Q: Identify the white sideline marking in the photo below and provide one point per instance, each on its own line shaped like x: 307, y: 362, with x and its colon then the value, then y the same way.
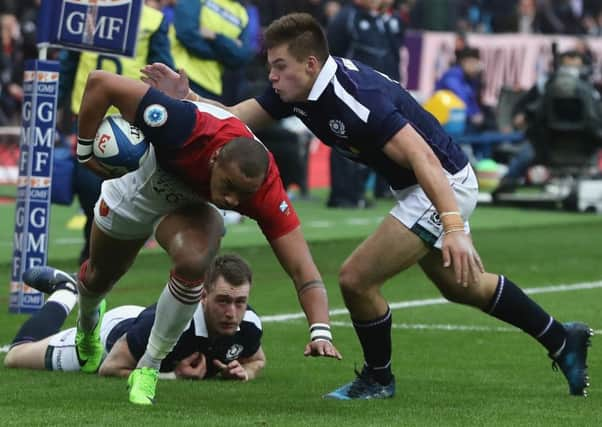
x: 436, y: 301
x: 424, y: 302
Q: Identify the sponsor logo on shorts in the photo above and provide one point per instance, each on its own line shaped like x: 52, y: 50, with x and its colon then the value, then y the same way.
x: 155, y: 115
x: 234, y: 351
x: 435, y: 219
x: 103, y: 209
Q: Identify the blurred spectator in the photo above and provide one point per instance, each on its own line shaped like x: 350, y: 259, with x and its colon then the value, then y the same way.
x: 562, y: 16
x: 463, y: 80
x: 235, y: 81
x: 435, y: 15
x: 207, y: 38
x: 270, y: 10
x: 362, y: 32
x: 11, y: 69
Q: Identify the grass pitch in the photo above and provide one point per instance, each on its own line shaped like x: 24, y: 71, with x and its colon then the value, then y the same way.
x: 454, y: 366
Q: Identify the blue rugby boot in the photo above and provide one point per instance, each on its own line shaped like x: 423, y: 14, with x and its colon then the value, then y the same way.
x: 572, y: 358
x: 363, y: 387
x: 48, y: 280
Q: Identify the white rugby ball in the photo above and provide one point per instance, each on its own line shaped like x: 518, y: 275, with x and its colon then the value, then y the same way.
x: 119, y: 146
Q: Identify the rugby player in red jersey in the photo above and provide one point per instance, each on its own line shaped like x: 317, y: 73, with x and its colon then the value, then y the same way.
x: 201, y: 156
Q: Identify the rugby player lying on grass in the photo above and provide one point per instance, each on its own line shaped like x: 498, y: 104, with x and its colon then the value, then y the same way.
x: 224, y: 337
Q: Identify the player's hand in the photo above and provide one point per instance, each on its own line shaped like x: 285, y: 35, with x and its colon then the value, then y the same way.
x: 99, y: 169
x: 459, y: 253
x: 322, y: 348
x: 232, y: 371
x: 192, y: 367
x: 161, y: 77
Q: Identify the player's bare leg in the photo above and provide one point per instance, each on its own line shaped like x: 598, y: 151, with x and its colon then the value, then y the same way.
x: 191, y: 236
x: 499, y: 297
x: 109, y: 259
x: 391, y: 249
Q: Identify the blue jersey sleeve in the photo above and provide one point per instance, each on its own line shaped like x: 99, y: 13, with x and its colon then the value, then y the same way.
x: 165, y: 122
x: 273, y: 105
x: 384, y: 121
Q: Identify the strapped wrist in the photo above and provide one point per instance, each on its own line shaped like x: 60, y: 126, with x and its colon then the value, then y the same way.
x: 320, y: 332
x: 84, y: 149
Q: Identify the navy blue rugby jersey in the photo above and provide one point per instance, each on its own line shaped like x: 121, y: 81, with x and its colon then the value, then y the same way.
x: 357, y: 110
x: 244, y: 343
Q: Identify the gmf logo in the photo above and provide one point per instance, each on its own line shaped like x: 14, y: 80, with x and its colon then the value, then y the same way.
x: 102, y: 142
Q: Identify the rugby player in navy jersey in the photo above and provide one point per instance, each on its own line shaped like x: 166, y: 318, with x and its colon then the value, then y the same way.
x: 224, y: 336
x: 373, y: 120
x: 201, y: 157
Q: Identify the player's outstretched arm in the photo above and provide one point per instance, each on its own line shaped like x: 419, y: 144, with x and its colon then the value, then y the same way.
x: 176, y: 85
x: 294, y: 256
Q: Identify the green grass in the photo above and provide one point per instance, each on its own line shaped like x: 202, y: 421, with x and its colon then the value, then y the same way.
x: 444, y: 377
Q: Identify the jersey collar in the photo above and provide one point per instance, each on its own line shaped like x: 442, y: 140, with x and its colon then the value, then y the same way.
x: 200, y: 327
x: 324, y: 77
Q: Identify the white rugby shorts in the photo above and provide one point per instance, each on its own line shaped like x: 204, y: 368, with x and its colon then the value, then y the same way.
x: 132, y: 205
x: 416, y: 211
x: 61, y: 354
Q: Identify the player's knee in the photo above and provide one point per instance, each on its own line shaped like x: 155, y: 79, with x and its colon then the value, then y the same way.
x: 191, y: 265
x: 349, y: 281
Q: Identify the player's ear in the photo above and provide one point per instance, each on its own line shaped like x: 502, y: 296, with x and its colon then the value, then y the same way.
x: 213, y: 157
x: 312, y: 65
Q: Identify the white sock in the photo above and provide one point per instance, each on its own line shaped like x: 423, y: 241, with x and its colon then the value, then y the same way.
x: 65, y: 298
x: 88, y: 308
x: 175, y: 308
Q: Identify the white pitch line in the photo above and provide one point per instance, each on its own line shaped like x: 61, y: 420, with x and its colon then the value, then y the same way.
x: 445, y: 327
x: 436, y: 301
x: 426, y: 302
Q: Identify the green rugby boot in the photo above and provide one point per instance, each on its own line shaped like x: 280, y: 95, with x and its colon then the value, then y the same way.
x: 142, y: 383
x: 88, y: 345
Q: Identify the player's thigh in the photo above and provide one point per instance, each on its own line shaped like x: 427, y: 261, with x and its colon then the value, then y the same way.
x: 27, y: 355
x: 191, y: 235
x: 391, y: 249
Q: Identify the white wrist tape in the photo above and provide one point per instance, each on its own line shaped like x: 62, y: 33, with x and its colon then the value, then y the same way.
x: 84, y: 149
x: 320, y: 332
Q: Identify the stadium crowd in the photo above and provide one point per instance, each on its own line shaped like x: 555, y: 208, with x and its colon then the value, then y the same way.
x: 584, y: 17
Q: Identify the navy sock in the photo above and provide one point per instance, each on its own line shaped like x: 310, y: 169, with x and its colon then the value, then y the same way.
x: 375, y: 338
x: 48, y: 321
x: 511, y: 305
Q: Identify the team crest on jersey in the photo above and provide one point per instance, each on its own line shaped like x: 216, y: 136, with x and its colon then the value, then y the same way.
x: 155, y: 115
x: 338, y: 128
x: 284, y: 207
x: 234, y: 351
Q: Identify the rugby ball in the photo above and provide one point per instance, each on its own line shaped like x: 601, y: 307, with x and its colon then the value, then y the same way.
x: 119, y: 146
